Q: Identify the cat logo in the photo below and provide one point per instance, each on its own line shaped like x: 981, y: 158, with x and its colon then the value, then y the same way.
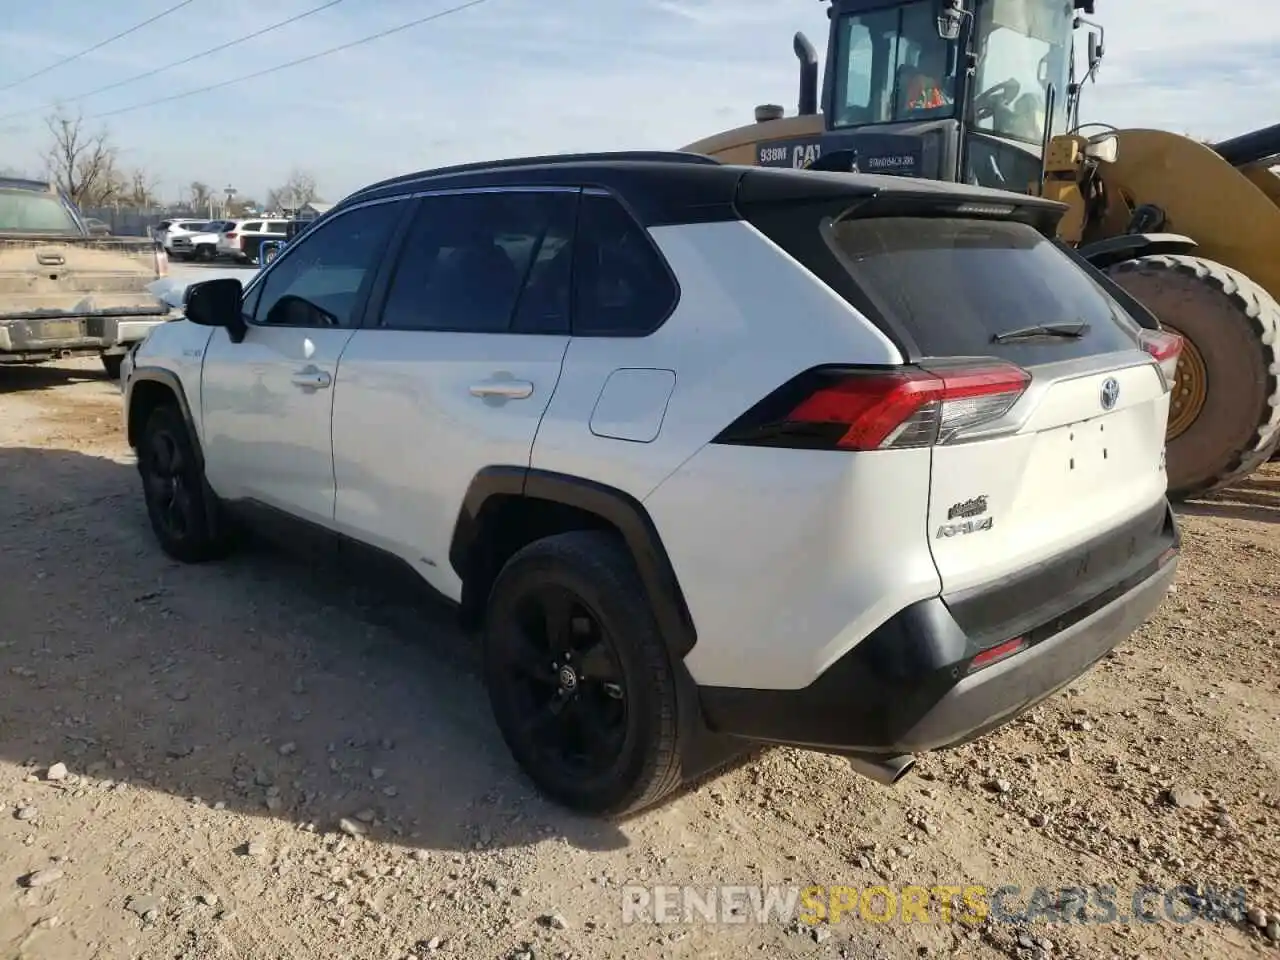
x: 805, y: 154
x: 964, y: 527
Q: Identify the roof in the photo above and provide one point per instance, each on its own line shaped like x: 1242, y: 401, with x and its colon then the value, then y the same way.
x: 672, y: 187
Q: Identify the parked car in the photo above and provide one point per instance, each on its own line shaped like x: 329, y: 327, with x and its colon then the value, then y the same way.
x: 194, y: 243
x: 229, y: 239
x: 867, y: 465
x: 96, y: 227
x: 65, y: 292
x: 245, y: 241
x: 169, y: 230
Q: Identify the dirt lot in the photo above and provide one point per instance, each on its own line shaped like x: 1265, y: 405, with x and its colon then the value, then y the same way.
x: 216, y: 723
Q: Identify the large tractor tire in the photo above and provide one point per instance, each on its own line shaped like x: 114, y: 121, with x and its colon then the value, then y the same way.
x: 1224, y: 414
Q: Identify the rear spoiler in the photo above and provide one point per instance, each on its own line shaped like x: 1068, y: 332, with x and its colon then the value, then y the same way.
x: 867, y: 195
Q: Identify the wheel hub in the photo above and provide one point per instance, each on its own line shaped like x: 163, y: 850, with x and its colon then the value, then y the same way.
x: 568, y: 678
x: 1190, y: 388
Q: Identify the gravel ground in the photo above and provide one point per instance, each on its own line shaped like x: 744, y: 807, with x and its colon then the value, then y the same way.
x: 265, y: 759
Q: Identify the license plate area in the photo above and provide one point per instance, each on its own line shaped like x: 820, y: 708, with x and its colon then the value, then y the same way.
x: 59, y: 329
x: 1089, y: 450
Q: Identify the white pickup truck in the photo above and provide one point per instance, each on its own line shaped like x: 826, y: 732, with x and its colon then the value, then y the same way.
x: 65, y: 292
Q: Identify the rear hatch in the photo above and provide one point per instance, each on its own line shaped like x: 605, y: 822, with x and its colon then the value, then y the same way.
x: 1047, y: 412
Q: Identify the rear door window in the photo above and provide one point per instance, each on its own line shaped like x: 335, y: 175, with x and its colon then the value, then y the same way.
x: 955, y: 285
x: 485, y: 263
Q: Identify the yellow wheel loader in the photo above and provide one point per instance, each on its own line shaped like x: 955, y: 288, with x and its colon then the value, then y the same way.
x: 986, y: 92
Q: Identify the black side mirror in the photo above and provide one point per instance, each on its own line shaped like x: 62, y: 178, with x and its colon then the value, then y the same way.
x: 1095, y: 51
x: 951, y: 15
x: 216, y: 303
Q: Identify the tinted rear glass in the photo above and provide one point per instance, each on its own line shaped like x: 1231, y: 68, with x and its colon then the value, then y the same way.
x: 955, y: 284
x: 25, y: 211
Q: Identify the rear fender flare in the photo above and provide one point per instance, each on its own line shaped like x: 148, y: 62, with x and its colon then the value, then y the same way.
x: 613, y: 506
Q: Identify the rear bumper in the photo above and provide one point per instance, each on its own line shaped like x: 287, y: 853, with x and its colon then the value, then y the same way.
x: 34, y: 338
x: 908, y: 688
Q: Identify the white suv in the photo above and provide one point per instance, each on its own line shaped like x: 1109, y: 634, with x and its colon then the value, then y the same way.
x: 863, y: 464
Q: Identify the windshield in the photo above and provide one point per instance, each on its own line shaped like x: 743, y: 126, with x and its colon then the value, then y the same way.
x: 25, y: 211
x: 892, y: 66
x: 1022, y: 46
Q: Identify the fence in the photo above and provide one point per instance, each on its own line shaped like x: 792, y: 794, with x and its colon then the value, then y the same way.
x: 126, y: 221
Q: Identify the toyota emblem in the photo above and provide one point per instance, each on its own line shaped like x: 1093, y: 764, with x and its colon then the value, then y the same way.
x: 1110, y: 392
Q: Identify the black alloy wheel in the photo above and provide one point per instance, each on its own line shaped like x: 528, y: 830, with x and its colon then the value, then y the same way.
x: 579, y: 677
x: 562, y: 673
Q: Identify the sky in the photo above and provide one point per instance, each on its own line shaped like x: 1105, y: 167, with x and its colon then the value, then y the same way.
x: 520, y: 77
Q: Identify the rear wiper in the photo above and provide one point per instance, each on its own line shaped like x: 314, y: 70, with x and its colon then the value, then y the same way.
x: 1069, y: 330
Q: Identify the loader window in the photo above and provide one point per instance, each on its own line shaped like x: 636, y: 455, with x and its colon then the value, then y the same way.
x: 892, y: 66
x: 1023, y: 46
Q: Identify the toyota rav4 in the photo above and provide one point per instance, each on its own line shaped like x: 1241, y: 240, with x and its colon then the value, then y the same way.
x: 860, y: 464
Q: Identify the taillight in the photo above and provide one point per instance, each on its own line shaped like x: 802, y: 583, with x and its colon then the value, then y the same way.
x: 231, y: 234
x: 1166, y: 347
x: 846, y: 409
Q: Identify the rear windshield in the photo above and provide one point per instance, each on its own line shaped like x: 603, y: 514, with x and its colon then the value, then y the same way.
x: 25, y: 211
x: 955, y: 285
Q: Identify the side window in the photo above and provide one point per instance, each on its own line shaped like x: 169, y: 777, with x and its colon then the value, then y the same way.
x: 485, y: 263
x: 319, y: 282
x: 276, y: 226
x: 622, y: 288
x: 252, y: 227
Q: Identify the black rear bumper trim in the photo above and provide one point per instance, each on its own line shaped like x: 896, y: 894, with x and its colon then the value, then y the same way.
x: 906, y: 687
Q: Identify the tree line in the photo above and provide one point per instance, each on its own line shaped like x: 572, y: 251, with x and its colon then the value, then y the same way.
x: 86, y: 165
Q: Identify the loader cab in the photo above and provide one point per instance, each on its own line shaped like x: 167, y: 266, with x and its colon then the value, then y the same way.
x: 948, y: 89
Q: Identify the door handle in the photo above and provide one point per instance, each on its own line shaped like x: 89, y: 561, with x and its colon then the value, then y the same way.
x: 504, y: 389
x: 311, y: 379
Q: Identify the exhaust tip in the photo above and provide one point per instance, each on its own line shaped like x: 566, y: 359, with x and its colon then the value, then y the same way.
x: 886, y: 771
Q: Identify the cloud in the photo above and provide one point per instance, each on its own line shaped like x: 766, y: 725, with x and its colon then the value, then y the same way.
x: 517, y: 77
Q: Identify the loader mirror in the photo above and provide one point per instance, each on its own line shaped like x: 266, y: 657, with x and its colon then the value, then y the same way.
x: 950, y: 18
x: 1095, y: 50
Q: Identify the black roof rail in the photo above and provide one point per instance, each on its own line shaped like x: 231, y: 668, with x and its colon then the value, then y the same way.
x: 615, y: 156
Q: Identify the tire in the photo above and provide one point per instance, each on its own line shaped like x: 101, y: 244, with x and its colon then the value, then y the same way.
x: 111, y: 364
x: 184, y: 515
x: 1234, y: 327
x: 592, y: 574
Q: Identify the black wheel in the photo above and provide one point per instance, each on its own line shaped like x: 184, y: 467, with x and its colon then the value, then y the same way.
x: 111, y: 363
x: 579, y: 677
x: 182, y: 509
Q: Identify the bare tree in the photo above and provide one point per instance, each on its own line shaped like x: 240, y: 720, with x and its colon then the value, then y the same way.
x: 142, y: 189
x: 81, y: 162
x: 297, y: 191
x: 201, y: 194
